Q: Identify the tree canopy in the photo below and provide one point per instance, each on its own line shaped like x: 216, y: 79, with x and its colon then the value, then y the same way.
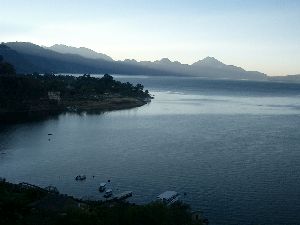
x: 6, y: 68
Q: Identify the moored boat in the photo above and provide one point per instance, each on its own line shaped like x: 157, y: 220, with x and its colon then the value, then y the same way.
x: 168, y: 197
x: 123, y: 195
x: 80, y: 177
x: 108, y: 193
x: 102, y: 187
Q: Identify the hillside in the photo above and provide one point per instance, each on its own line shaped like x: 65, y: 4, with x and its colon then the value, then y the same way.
x: 84, y: 52
x: 29, y: 204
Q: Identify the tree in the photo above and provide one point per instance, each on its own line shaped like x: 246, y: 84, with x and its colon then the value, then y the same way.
x: 107, y: 77
x: 139, y: 87
x: 6, y: 68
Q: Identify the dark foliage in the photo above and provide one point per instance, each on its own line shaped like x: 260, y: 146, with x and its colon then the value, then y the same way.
x: 16, y: 208
x: 6, y: 68
x: 18, y: 92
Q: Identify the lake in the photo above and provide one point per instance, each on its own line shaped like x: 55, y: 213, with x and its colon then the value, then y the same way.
x: 232, y: 146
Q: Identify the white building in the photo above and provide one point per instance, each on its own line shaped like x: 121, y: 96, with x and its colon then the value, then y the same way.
x: 168, y: 197
x: 54, y: 95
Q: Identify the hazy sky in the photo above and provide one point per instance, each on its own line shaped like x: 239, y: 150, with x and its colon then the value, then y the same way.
x: 261, y: 35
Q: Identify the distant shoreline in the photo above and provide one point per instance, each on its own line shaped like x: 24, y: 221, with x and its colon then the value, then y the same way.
x: 35, y: 96
x: 72, y: 106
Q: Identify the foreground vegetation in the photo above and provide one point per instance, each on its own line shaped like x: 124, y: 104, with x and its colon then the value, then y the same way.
x: 23, y: 205
x: 37, y: 95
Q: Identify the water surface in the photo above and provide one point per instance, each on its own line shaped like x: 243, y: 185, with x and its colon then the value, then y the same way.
x: 232, y: 146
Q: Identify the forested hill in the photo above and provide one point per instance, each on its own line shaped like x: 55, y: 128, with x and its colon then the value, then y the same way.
x: 35, y: 95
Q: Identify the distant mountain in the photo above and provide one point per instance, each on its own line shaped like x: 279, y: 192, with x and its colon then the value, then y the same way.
x: 28, y: 58
x: 19, y: 61
x: 209, y: 62
x: 84, y: 52
x: 34, y: 58
x: 210, y: 66
x: 167, y: 65
x: 207, y: 67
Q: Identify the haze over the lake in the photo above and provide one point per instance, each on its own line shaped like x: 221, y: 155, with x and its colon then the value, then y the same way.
x: 256, y: 35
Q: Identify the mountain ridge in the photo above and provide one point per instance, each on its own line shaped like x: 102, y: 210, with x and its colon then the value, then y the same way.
x: 82, y: 51
x: 43, y: 59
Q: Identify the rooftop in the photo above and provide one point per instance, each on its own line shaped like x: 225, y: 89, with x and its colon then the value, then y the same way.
x: 167, y: 195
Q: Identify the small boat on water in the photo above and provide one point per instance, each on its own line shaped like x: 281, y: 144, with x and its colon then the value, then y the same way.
x: 102, y: 187
x: 108, y: 193
x: 168, y: 197
x: 80, y: 177
x: 123, y: 195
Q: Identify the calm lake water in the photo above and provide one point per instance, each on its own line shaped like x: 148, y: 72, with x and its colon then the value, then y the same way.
x: 232, y: 146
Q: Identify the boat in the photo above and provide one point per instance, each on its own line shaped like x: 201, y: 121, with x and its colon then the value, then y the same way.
x: 102, y: 187
x: 123, y: 195
x: 80, y: 177
x: 168, y: 197
x: 108, y: 193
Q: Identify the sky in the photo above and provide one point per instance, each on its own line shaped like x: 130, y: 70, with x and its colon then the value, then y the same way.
x: 260, y: 35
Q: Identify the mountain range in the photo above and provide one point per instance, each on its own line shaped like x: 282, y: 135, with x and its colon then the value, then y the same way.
x: 28, y: 58
x: 84, y: 52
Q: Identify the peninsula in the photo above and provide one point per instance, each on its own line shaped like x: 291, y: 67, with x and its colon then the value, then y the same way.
x: 31, y: 96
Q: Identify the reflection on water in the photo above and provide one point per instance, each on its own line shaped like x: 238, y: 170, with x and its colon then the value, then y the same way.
x: 235, y: 155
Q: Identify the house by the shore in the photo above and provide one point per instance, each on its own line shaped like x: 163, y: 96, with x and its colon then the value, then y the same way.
x: 54, y: 95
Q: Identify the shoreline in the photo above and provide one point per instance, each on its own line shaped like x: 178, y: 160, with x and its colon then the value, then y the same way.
x: 25, y: 203
x: 29, y: 97
x: 39, y: 110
